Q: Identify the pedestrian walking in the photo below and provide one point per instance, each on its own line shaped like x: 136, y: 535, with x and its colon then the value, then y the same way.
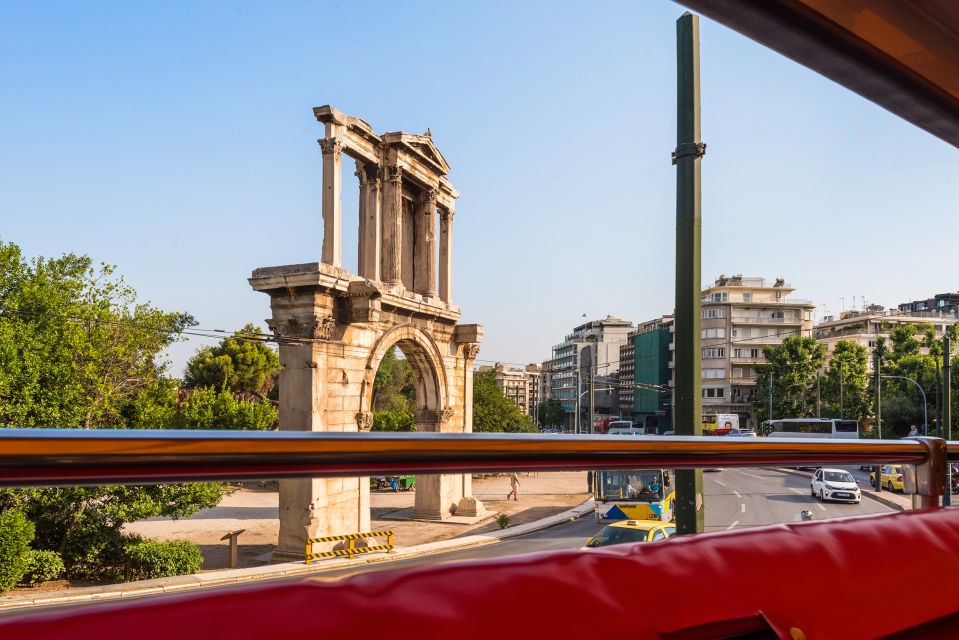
x: 514, y: 484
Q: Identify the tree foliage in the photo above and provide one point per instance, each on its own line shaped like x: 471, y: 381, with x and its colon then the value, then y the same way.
x: 550, y: 413
x: 791, y: 374
x: 394, y: 389
x: 493, y: 411
x: 240, y: 364
x: 845, y: 384
x: 74, y: 342
x: 78, y: 350
x: 915, y: 352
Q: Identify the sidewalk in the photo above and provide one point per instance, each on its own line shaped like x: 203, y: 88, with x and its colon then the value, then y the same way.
x: 13, y: 604
x: 256, y: 509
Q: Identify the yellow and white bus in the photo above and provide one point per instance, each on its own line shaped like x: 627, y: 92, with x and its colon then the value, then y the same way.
x: 633, y: 494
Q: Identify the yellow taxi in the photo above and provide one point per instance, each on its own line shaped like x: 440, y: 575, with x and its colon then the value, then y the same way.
x: 630, y: 531
x: 890, y: 476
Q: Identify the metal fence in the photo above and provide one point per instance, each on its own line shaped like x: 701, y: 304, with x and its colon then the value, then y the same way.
x: 57, y: 457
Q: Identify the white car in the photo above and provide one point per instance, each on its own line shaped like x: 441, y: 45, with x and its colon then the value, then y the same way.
x: 834, y: 484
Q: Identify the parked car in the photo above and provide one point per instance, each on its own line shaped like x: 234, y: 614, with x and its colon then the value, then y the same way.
x: 834, y: 484
x: 628, y: 531
x: 890, y: 477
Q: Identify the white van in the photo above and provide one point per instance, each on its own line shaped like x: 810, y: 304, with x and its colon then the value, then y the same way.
x: 624, y: 428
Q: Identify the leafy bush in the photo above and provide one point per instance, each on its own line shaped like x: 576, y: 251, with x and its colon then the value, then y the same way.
x: 42, y: 566
x: 16, y: 534
x: 502, y: 520
x: 393, y: 421
x: 150, y: 559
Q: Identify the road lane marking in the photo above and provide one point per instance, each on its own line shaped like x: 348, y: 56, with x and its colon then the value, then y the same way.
x: 722, y: 483
x: 752, y: 475
x: 795, y: 490
x: 735, y: 522
x: 743, y: 507
x: 820, y: 506
x: 738, y: 495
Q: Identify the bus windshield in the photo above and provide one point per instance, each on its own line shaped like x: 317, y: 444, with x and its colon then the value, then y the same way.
x: 644, y: 486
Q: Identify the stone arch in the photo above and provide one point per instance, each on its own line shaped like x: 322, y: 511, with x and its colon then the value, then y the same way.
x: 429, y: 374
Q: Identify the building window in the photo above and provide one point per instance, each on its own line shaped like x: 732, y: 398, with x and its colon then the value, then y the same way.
x: 755, y: 353
x: 747, y: 297
x: 737, y: 353
x: 713, y: 313
x: 714, y: 352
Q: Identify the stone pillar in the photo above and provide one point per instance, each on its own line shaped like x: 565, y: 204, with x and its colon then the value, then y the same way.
x: 361, y: 220
x: 370, y: 238
x: 393, y: 225
x: 425, y: 259
x: 437, y: 496
x: 446, y: 255
x: 314, y: 380
x: 469, y: 505
x: 408, y: 244
x: 332, y: 203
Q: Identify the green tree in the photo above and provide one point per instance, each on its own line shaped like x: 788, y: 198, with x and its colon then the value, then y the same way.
x: 241, y: 364
x: 550, y: 413
x: 77, y: 350
x: 493, y: 411
x: 74, y: 342
x: 791, y: 373
x: 394, y: 389
x: 845, y: 383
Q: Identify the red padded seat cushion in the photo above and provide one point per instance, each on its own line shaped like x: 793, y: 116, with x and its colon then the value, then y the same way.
x: 850, y: 578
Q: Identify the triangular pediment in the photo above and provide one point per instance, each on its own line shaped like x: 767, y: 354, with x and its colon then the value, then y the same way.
x: 421, y: 145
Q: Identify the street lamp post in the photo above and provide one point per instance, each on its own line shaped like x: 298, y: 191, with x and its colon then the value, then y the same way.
x: 925, y: 408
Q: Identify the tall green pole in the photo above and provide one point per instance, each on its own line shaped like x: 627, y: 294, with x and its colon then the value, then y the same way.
x: 689, y: 150
x: 947, y: 412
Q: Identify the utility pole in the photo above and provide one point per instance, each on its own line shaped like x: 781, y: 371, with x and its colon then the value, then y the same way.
x: 842, y: 413
x: 877, y: 364
x: 686, y: 157
x: 592, y: 396
x: 818, y: 398
x: 770, y: 397
x: 947, y: 412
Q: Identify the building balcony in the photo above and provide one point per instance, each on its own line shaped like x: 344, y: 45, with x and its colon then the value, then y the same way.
x: 743, y: 382
x: 747, y: 360
x: 777, y: 321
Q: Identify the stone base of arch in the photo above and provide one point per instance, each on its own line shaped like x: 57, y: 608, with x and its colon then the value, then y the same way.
x: 333, y: 329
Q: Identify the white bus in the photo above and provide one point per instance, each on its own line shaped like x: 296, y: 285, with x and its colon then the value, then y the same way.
x: 811, y: 428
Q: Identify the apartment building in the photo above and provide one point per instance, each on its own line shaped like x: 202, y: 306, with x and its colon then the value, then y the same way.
x: 866, y: 327
x: 590, y: 352
x: 644, y: 375
x: 522, y: 386
x: 740, y: 315
x: 942, y: 304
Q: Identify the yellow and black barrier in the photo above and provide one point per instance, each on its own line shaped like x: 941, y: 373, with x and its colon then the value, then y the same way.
x: 351, y: 548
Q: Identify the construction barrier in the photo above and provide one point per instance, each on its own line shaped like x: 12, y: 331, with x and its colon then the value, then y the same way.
x: 351, y: 548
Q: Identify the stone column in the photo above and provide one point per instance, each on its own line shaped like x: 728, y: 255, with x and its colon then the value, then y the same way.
x: 314, y: 380
x: 393, y: 225
x: 332, y: 203
x: 425, y: 260
x: 360, y: 173
x: 446, y: 255
x: 369, y: 240
x: 374, y: 225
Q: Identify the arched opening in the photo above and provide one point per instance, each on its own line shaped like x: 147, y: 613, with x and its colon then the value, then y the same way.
x: 405, y: 389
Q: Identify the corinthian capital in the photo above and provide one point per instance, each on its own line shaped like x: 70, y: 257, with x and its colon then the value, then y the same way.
x: 330, y: 145
x: 470, y: 350
x: 429, y: 197
x: 395, y: 173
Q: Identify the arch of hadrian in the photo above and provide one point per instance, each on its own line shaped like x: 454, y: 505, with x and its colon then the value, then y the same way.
x: 334, y: 327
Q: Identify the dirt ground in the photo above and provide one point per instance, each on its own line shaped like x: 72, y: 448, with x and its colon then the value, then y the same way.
x: 255, y: 509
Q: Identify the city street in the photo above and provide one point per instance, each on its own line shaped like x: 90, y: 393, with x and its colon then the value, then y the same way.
x: 735, y: 499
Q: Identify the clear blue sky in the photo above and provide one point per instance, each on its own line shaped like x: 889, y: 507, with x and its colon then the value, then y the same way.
x: 176, y: 140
